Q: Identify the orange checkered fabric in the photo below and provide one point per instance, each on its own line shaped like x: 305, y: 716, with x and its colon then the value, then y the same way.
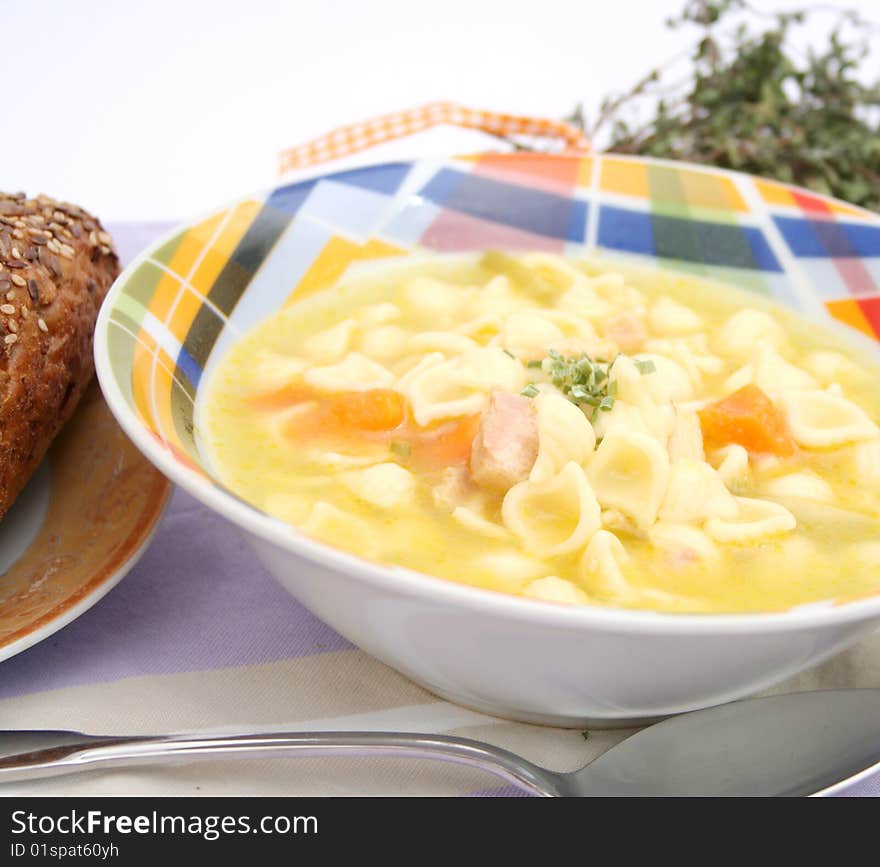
x: 347, y: 140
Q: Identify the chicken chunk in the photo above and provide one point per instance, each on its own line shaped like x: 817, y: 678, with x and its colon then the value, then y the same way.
x: 626, y: 330
x: 506, y: 445
x: 453, y: 488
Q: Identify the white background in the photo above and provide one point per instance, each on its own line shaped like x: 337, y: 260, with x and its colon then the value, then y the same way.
x: 165, y: 108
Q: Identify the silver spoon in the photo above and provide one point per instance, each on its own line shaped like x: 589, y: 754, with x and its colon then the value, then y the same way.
x: 795, y: 744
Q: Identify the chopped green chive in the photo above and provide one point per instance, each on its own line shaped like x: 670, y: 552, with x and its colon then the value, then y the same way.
x: 402, y: 450
x: 585, y: 381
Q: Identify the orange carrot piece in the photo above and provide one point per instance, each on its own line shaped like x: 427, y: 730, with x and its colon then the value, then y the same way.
x: 749, y: 418
x: 446, y: 446
x: 376, y: 409
x: 375, y: 415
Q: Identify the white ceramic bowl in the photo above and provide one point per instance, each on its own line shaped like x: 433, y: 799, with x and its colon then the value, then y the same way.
x: 179, y: 306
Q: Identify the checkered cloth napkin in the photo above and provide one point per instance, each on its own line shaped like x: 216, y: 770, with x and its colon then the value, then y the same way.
x: 198, y: 637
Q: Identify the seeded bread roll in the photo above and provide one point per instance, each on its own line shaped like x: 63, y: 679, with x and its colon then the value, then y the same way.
x: 56, y: 265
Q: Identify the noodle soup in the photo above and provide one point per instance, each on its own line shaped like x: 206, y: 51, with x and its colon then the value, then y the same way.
x: 561, y: 430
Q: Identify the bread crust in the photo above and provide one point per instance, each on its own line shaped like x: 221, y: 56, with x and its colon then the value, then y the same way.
x: 56, y: 265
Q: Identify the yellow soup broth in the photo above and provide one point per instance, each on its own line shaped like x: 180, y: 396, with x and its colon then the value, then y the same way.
x: 567, y: 430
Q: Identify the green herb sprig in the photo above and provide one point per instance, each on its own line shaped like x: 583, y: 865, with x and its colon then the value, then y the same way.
x: 751, y: 99
x: 757, y: 104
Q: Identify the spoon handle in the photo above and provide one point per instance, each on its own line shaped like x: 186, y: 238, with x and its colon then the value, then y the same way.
x: 88, y: 754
